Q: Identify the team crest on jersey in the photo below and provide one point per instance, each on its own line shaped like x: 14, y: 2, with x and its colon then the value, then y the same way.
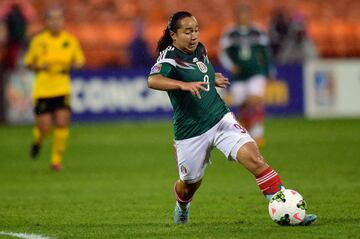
x: 156, y: 69
x: 202, y: 67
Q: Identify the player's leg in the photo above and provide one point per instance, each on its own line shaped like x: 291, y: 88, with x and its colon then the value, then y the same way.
x: 41, y: 129
x: 253, y: 110
x: 192, y: 157
x: 267, y: 179
x: 235, y: 142
x: 248, y: 101
x: 61, y: 133
x: 253, y: 117
x: 238, y: 92
x: 43, y: 125
x: 184, y: 193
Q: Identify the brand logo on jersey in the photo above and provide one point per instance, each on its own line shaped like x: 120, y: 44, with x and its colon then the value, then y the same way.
x: 65, y: 44
x: 202, y: 67
x: 156, y: 69
x: 183, y: 169
x: 195, y: 59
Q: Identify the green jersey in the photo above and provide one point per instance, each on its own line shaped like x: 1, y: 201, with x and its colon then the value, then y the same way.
x: 192, y: 116
x: 247, y: 48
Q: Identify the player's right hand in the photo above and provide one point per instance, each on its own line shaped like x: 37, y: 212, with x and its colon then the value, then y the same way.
x: 194, y: 87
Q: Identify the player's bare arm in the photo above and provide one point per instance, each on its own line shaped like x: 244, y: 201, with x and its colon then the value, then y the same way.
x: 160, y: 82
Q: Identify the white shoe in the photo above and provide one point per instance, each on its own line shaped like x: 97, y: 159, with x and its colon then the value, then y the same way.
x: 181, y: 216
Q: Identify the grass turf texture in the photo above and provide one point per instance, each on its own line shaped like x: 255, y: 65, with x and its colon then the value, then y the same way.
x: 118, y: 183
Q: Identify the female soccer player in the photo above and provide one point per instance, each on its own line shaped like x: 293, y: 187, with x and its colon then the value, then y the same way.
x: 52, y: 54
x: 201, y: 118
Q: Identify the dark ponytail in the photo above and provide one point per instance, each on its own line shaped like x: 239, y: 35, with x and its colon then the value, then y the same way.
x: 164, y: 41
x: 173, y: 25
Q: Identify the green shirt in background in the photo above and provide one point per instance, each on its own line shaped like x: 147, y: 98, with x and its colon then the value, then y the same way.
x: 247, y: 48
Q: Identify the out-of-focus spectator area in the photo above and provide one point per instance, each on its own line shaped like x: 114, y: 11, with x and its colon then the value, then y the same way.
x: 106, y: 28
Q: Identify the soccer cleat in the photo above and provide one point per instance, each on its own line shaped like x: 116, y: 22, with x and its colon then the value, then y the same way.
x: 56, y: 167
x: 181, y: 216
x: 308, y: 220
x: 34, y: 151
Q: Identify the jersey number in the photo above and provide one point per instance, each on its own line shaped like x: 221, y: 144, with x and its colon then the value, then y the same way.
x: 206, y: 79
x: 245, y: 53
x: 242, y: 129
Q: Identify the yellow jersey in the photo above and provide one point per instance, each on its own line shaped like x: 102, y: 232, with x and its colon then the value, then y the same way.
x: 58, y: 53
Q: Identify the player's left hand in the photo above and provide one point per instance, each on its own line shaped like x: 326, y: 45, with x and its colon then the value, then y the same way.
x: 221, y: 81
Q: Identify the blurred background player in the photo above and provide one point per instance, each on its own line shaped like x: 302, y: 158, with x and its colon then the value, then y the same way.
x: 201, y: 118
x: 297, y: 47
x: 139, y: 53
x: 245, y: 53
x: 15, y: 19
x: 52, y: 54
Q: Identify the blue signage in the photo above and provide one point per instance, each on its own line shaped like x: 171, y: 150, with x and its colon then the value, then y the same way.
x: 286, y: 96
x: 116, y: 95
x: 124, y: 95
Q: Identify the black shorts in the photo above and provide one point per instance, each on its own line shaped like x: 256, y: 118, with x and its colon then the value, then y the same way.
x: 49, y: 105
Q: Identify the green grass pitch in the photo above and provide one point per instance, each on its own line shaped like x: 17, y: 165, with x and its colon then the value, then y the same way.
x: 118, y: 183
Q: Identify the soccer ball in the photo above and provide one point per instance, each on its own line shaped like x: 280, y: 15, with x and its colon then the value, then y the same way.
x: 287, y: 207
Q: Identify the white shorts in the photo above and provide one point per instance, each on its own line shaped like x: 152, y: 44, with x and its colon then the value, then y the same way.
x: 240, y: 90
x: 193, y: 154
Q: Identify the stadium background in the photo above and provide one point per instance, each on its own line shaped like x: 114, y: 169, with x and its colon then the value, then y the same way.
x: 118, y: 175
x: 106, y: 27
x: 107, y: 31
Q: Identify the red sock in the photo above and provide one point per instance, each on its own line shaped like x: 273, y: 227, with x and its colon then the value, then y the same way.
x: 269, y: 181
x: 259, y: 115
x: 246, y: 116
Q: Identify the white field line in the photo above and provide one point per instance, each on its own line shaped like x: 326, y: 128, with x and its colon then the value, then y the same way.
x: 24, y: 235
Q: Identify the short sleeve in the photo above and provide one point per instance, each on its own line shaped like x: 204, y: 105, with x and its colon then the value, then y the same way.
x: 163, y: 69
x: 78, y: 57
x: 31, y: 54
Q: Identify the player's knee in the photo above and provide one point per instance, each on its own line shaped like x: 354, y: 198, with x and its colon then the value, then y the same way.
x: 62, y: 123
x: 45, y: 130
